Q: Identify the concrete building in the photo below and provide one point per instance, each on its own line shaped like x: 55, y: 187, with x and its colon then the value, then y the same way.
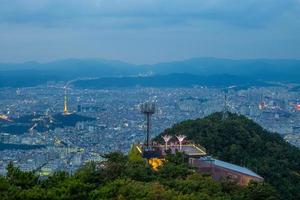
x: 223, y: 170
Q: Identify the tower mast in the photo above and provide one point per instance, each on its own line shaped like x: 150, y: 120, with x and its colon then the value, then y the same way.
x: 225, y: 109
x: 66, y: 112
x: 148, y: 109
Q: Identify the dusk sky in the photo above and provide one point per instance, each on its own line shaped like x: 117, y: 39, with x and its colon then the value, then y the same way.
x: 148, y: 31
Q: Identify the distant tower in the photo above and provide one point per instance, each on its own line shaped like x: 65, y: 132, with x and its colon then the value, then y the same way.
x: 225, y: 109
x: 262, y: 103
x: 148, y: 109
x: 66, y: 112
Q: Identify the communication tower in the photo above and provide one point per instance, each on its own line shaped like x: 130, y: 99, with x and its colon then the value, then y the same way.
x: 225, y: 109
x: 148, y: 109
x: 66, y: 111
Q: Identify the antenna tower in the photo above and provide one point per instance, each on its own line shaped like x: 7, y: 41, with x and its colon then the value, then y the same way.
x: 66, y: 111
x: 148, y: 109
x: 225, y: 109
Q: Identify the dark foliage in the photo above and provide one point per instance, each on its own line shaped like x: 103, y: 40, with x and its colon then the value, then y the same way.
x: 241, y: 141
x: 122, y: 178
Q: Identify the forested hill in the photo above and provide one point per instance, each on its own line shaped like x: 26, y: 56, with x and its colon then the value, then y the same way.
x: 128, y: 178
x: 243, y: 142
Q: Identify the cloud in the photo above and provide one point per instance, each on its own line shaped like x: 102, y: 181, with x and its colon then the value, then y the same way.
x: 143, y: 13
x: 148, y: 31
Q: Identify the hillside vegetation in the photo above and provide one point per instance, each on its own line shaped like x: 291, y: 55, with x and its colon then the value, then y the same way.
x: 241, y: 141
x: 128, y: 177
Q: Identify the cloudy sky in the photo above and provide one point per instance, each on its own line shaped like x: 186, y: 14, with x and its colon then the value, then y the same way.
x: 148, y: 31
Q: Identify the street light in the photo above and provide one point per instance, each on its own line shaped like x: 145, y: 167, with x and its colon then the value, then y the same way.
x: 180, y: 139
x: 166, y: 139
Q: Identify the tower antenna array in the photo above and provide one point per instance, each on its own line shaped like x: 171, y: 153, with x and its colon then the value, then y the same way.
x: 225, y: 109
x: 148, y: 109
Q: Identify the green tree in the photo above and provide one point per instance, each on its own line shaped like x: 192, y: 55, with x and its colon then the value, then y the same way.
x: 240, y: 141
x: 4, y: 188
x: 261, y: 191
x: 16, y: 177
x: 69, y: 189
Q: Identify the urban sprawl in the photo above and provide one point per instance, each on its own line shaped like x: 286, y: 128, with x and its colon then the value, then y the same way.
x: 118, y: 122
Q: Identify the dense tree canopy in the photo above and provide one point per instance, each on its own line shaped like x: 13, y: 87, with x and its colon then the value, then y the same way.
x: 121, y: 177
x: 241, y: 141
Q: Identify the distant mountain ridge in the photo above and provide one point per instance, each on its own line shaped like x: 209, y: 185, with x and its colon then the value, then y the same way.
x: 170, y: 80
x: 257, y: 69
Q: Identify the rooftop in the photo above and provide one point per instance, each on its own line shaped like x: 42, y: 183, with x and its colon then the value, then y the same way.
x: 188, y: 149
x: 230, y: 166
